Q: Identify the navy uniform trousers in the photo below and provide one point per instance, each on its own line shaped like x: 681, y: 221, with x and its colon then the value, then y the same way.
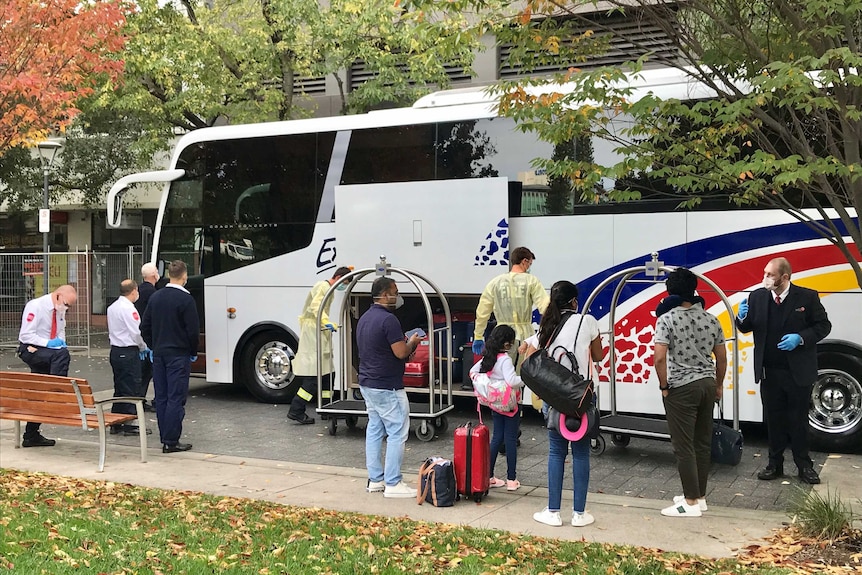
x: 171, y: 386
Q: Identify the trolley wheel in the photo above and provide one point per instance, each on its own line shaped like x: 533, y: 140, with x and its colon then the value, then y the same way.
x: 597, y: 445
x: 620, y: 439
x: 441, y: 424
x: 357, y: 395
x: 351, y: 421
x: 333, y: 427
x: 424, y: 431
x: 477, y: 498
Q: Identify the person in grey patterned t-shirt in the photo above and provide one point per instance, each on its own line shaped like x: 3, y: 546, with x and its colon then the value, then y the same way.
x: 686, y: 339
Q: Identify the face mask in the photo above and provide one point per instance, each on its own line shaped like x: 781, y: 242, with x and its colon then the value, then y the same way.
x: 399, y: 301
x: 341, y: 287
x: 769, y: 283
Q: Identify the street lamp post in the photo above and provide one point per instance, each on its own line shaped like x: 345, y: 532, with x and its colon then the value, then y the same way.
x: 47, y: 151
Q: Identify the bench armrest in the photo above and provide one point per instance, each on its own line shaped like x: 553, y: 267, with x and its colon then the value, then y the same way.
x: 112, y: 400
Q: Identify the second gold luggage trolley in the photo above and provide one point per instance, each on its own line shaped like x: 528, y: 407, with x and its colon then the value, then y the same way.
x: 432, y: 417
x: 623, y: 427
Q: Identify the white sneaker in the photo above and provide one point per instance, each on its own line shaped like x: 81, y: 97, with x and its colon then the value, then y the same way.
x: 582, y: 519
x: 375, y: 486
x: 701, y: 502
x: 548, y: 517
x: 399, y: 490
x: 682, y: 509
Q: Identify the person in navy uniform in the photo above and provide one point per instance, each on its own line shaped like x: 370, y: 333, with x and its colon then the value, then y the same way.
x: 170, y: 328
x: 146, y: 289
x: 42, y: 345
x: 127, y: 350
x: 787, y: 321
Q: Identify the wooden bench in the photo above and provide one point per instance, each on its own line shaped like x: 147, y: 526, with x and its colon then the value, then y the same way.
x: 64, y: 401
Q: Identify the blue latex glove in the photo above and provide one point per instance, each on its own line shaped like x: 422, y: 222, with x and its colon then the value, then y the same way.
x: 193, y: 359
x: 150, y: 355
x: 743, y: 309
x: 144, y: 354
x: 789, y: 342
x: 56, y: 343
x: 329, y: 326
x: 478, y: 346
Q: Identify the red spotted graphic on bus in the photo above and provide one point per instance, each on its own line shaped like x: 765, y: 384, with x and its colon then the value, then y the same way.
x: 634, y: 332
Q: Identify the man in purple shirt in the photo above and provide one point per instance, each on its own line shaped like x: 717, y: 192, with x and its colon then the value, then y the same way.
x: 382, y: 352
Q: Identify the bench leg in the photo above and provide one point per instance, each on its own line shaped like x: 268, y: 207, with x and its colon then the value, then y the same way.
x: 142, y: 429
x: 17, y: 434
x: 102, y: 443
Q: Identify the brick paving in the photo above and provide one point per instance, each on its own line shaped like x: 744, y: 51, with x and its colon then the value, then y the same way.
x: 226, y: 420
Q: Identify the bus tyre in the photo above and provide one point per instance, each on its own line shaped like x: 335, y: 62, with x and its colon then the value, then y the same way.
x: 266, y: 367
x: 835, y: 416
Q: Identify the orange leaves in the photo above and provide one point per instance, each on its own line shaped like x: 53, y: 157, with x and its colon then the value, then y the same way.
x: 53, y: 52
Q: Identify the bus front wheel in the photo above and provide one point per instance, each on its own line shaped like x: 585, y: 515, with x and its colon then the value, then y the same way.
x: 835, y: 415
x: 266, y: 367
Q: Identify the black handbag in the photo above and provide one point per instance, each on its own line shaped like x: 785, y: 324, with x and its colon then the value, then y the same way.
x: 565, y: 390
x: 726, y: 441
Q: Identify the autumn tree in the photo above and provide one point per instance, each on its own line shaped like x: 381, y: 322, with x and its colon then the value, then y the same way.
x: 52, y: 52
x: 782, y: 129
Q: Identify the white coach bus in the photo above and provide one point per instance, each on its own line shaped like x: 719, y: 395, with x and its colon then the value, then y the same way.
x: 444, y: 188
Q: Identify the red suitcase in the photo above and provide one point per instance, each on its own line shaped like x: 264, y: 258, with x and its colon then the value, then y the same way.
x: 472, y: 461
x: 416, y: 370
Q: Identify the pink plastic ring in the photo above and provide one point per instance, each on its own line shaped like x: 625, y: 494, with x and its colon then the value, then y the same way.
x: 574, y: 435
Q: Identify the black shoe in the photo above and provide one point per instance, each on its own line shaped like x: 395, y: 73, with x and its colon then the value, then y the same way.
x: 771, y: 472
x: 116, y: 429
x: 134, y: 430
x: 37, y: 441
x: 808, y: 475
x: 176, y: 448
x: 149, y: 408
x: 304, y: 420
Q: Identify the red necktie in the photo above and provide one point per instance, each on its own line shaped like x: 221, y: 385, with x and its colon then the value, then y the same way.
x: 778, y: 299
x: 54, y: 324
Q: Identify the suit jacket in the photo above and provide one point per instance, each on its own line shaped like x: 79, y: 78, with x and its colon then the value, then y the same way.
x: 802, y: 313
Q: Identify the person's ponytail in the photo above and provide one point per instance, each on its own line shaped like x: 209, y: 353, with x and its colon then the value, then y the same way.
x: 562, y: 294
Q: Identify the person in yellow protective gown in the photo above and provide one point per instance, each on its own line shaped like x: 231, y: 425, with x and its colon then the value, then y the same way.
x: 305, y: 362
x: 511, y: 297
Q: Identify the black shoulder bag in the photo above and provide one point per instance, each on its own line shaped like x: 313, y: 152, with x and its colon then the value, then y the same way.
x: 565, y: 390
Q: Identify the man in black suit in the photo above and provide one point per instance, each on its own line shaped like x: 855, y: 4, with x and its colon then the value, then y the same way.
x: 787, y: 321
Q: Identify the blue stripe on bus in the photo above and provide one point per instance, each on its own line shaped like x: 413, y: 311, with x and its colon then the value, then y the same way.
x: 696, y: 253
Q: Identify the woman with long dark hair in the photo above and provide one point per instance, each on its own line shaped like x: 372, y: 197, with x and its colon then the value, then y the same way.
x: 497, y: 363
x: 562, y: 314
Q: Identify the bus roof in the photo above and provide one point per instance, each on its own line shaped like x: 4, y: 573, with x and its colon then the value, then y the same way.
x: 446, y: 105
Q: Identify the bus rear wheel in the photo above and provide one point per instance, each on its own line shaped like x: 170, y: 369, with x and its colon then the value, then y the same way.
x: 835, y: 415
x: 266, y: 367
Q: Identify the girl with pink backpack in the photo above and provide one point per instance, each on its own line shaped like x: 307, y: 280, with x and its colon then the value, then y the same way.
x: 497, y: 386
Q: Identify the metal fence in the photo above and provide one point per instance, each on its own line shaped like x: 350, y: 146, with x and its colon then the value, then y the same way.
x: 96, y: 276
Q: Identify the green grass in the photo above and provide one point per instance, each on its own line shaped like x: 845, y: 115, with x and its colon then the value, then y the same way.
x: 58, y: 525
x: 821, y: 516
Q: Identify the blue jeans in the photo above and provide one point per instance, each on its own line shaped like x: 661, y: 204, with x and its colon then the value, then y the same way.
x: 389, y: 416
x: 558, y: 446
x: 505, y: 430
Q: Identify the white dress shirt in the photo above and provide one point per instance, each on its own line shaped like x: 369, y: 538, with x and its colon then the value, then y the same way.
x: 124, y: 324
x: 36, y: 322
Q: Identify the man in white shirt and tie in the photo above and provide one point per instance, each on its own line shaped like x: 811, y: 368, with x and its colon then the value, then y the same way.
x: 42, y: 344
x: 127, y: 348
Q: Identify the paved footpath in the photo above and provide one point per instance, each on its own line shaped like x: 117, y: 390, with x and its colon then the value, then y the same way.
x: 619, y: 519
